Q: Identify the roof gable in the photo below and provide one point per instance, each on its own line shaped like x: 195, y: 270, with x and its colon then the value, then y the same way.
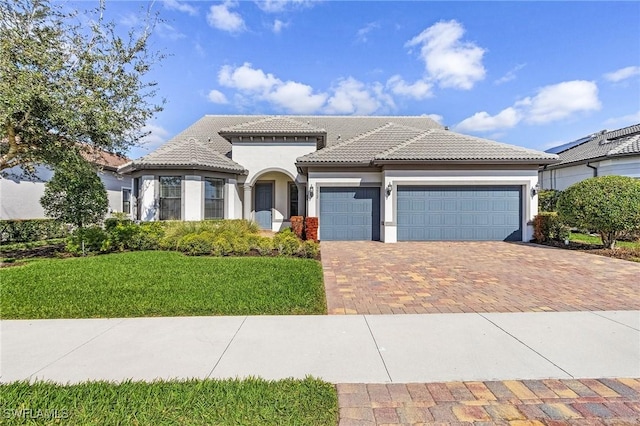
x: 277, y: 125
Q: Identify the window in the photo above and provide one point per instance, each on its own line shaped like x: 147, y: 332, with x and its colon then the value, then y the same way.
x: 126, y: 200
x: 170, y: 198
x: 213, y: 198
x: 293, y: 199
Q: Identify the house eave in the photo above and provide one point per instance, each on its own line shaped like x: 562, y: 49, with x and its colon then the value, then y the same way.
x: 128, y: 168
x: 589, y: 160
x: 474, y: 162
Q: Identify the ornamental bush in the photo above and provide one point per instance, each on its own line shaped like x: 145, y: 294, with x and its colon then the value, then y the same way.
x: 608, y: 205
x: 548, y: 200
x: 547, y: 226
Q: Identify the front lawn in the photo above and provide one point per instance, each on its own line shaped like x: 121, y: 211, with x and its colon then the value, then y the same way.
x: 160, y: 283
x: 596, y: 240
x: 625, y: 250
x: 192, y: 402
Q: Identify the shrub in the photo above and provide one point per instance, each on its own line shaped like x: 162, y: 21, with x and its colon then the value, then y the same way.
x: 95, y: 240
x: 548, y: 200
x: 310, y: 249
x: 297, y: 226
x: 175, y: 230
x: 197, y: 244
x: 547, y: 226
x: 608, y: 205
x: 31, y: 230
x: 148, y: 237
x: 264, y: 245
x: 286, y: 242
x: 222, y: 246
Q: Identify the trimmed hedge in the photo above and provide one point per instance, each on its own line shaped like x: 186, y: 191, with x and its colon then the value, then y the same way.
x: 547, y: 226
x: 31, y: 230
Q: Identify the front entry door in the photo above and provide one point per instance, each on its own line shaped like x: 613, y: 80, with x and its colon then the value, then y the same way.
x: 264, y: 204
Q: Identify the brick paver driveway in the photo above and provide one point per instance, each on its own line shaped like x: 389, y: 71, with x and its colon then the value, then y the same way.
x: 366, y: 277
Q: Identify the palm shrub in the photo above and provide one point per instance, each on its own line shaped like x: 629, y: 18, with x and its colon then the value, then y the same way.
x: 608, y: 205
x: 286, y: 242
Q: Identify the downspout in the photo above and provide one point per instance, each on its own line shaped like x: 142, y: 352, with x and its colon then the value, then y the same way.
x: 595, y: 169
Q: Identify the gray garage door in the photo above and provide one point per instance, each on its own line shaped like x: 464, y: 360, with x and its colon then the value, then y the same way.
x: 466, y: 213
x: 349, y: 213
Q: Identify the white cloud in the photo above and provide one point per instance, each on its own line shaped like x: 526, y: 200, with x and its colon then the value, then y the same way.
x: 247, y: 78
x: 510, y: 75
x: 180, y: 7
x: 276, y: 6
x: 435, y: 117
x: 625, y: 120
x: 291, y: 96
x: 129, y: 20
x: 449, y: 60
x: 278, y: 25
x: 223, y: 18
x: 418, y: 90
x: 297, y: 98
x: 483, y: 122
x: 169, y: 32
x: 362, y: 34
x: 352, y: 97
x: 217, y: 97
x: 622, y: 74
x: 561, y: 100
x: 156, y: 137
x: 551, y: 103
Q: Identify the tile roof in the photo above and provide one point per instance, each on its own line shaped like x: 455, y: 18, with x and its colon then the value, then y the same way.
x: 620, y: 142
x: 363, y: 148
x: 442, y: 145
x: 105, y: 159
x: 276, y: 125
x: 338, y: 128
x: 191, y: 153
x: 393, y: 142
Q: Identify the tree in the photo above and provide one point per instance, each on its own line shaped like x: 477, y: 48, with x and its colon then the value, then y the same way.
x: 62, y: 83
x: 75, y: 194
x: 608, y: 205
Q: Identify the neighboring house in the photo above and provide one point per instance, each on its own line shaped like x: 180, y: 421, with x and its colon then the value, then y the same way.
x: 365, y: 178
x: 20, y: 196
x: 615, y: 152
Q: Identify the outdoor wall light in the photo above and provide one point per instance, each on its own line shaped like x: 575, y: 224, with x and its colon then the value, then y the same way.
x: 535, y: 190
x: 389, y: 189
x: 310, y: 191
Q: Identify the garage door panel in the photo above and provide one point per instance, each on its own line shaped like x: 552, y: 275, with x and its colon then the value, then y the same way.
x: 459, y: 213
x: 350, y: 213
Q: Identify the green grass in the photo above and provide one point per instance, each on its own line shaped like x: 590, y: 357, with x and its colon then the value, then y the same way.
x: 590, y: 239
x: 192, y: 402
x: 159, y: 283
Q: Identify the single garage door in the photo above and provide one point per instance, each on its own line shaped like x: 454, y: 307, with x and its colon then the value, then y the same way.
x: 349, y: 213
x: 465, y: 213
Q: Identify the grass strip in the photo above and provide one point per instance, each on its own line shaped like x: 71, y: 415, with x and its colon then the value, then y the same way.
x: 160, y: 283
x: 248, y: 402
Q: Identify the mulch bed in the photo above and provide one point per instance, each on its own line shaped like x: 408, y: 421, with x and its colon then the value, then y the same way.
x: 631, y: 254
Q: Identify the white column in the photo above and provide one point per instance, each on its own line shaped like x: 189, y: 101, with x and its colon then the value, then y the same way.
x: 390, y: 228
x: 193, y: 198
x: 246, y: 203
x: 148, y: 198
x: 230, y: 199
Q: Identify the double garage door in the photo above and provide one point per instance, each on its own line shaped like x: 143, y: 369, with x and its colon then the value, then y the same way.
x: 424, y: 213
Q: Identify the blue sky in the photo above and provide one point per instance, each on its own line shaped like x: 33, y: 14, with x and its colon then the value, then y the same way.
x: 534, y: 74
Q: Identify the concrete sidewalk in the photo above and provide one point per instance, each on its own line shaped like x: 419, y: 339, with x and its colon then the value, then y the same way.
x: 340, y: 349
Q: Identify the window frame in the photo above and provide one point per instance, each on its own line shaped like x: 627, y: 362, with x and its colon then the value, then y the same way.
x: 161, y: 198
x: 291, y: 200
x: 130, y: 201
x: 220, y: 199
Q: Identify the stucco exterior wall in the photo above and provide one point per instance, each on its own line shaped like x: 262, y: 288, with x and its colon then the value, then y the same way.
x: 280, y: 211
x: 564, y: 177
x: 20, y: 198
x: 526, y: 178
x: 258, y: 157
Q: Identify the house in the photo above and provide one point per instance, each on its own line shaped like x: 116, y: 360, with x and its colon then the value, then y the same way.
x: 365, y: 178
x: 20, y: 195
x: 615, y: 152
